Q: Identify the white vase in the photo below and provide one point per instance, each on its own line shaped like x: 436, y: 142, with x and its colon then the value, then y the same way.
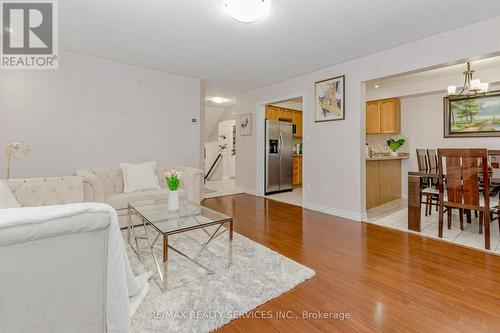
x: 173, y: 200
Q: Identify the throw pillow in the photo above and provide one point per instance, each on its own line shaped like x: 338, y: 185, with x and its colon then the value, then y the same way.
x: 139, y: 177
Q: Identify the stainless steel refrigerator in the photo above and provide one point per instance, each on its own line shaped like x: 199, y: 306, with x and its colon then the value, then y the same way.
x: 279, y: 156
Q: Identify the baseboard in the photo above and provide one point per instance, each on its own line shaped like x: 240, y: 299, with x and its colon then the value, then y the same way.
x: 336, y: 212
x: 246, y: 190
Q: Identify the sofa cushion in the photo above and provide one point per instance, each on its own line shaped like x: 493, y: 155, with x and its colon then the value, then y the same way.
x: 121, y: 200
x: 7, y: 199
x: 139, y: 177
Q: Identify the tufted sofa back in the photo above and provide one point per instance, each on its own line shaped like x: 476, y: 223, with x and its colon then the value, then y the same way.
x: 112, y: 178
x: 35, y: 192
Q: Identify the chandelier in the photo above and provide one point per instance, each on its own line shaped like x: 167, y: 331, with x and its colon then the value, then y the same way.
x: 471, y: 86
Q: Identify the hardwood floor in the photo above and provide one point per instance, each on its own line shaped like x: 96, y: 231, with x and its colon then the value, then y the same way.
x: 388, y: 280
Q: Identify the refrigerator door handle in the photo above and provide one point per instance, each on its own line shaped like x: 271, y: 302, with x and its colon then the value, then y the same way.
x: 280, y: 146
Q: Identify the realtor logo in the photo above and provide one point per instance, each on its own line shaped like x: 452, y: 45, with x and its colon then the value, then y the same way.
x: 29, y: 34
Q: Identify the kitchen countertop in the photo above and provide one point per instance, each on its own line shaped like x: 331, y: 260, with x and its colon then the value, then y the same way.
x: 384, y: 157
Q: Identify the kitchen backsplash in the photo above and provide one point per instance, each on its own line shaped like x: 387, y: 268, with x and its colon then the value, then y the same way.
x: 379, y: 142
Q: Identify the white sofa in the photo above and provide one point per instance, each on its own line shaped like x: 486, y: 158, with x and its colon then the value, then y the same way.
x: 62, y: 266
x: 36, y: 192
x: 53, y: 275
x: 42, y: 270
x: 106, y: 185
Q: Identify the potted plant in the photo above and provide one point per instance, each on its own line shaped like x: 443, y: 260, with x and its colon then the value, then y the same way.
x: 394, y: 145
x: 173, y: 182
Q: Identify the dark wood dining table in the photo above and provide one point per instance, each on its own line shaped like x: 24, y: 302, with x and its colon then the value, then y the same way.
x: 415, y: 183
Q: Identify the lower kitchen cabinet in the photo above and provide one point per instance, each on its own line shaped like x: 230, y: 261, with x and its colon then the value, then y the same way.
x: 383, y: 182
x: 297, y: 170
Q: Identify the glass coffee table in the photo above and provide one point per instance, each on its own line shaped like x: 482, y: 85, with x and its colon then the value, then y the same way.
x: 164, y: 223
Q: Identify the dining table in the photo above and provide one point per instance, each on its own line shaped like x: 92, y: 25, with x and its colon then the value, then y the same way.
x: 415, y: 185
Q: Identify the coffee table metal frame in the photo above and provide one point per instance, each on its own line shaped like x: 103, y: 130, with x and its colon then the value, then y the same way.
x: 132, y: 238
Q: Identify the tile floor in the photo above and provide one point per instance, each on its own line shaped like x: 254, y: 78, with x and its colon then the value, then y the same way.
x: 217, y: 188
x: 293, y: 197
x: 395, y: 215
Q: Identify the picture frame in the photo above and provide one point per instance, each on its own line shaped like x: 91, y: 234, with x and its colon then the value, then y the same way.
x: 329, y: 99
x: 245, y: 124
x: 472, y: 116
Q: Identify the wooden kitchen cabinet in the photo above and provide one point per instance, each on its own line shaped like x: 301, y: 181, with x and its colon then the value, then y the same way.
x: 390, y: 115
x: 383, y: 182
x: 297, y: 120
x: 297, y: 170
x: 372, y: 184
x: 373, y: 117
x: 272, y: 112
x: 383, y: 116
x: 286, y: 114
x: 278, y: 113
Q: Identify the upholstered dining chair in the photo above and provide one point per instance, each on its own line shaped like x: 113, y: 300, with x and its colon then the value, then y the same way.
x: 459, y: 187
x: 428, y: 191
x: 494, y: 186
x: 422, y: 160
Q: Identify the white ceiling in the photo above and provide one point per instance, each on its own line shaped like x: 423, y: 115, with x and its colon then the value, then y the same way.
x: 195, y: 38
x: 454, y: 70
x: 294, y: 103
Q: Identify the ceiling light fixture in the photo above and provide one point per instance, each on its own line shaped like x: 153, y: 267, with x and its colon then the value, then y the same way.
x: 247, y: 11
x: 471, y: 87
x: 218, y: 100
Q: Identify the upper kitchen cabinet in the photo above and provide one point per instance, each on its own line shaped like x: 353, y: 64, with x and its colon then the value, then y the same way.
x: 297, y: 120
x: 383, y: 116
x: 272, y: 112
x: 279, y: 113
x: 373, y: 117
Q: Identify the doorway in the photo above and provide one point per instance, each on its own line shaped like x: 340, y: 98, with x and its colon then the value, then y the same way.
x: 220, y: 151
x: 283, y: 150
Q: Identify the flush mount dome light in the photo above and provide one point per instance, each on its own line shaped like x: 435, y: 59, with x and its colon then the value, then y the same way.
x: 247, y: 11
x: 218, y: 100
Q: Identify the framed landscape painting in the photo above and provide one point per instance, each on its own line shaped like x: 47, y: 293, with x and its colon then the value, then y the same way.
x: 477, y: 116
x: 329, y: 99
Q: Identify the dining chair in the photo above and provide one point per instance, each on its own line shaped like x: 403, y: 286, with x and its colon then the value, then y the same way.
x: 434, y: 193
x: 494, y: 186
x: 432, y: 159
x: 428, y: 191
x: 459, y: 187
x: 494, y: 167
x: 422, y: 160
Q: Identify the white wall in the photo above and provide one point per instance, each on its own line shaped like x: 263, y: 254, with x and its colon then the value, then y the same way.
x: 212, y: 118
x: 334, y: 151
x: 93, y: 112
x: 422, y: 123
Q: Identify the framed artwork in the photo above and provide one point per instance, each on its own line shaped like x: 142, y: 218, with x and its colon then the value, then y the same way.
x: 329, y: 99
x: 246, y: 124
x: 472, y: 116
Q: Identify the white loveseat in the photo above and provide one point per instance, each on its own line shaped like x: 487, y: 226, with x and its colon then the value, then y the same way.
x: 106, y: 184
x: 53, y: 274
x: 62, y: 266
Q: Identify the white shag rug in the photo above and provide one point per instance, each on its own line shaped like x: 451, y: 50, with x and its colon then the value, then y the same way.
x: 200, y: 302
